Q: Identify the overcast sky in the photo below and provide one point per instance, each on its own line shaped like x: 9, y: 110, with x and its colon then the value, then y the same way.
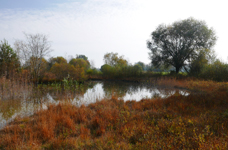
x: 95, y: 27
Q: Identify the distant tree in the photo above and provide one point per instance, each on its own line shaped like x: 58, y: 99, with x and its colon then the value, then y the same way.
x: 180, y: 43
x: 43, y: 67
x: 49, y: 76
x: 108, y: 70
x: 137, y: 69
x: 54, y: 60
x: 9, y: 61
x: 31, y: 65
x: 82, y: 56
x: 105, y: 67
x: 79, y: 74
x: 113, y: 59
x: 80, y: 62
x: 199, y: 62
x: 148, y: 67
x: 217, y: 71
x: 36, y: 47
x: 92, y: 64
x: 65, y: 70
x: 141, y: 64
x: 62, y: 70
x: 161, y: 68
x: 58, y: 59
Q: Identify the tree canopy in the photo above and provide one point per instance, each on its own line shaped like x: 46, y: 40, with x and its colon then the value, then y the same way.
x: 80, y: 62
x: 180, y: 43
x: 113, y: 59
x: 31, y: 65
x: 8, y: 59
x: 36, y: 47
x: 141, y: 64
x: 54, y: 60
x: 82, y: 56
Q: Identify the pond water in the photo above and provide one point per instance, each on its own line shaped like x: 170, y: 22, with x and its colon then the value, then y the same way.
x: 91, y: 92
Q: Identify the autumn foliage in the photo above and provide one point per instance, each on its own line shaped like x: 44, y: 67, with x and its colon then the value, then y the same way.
x: 196, y: 121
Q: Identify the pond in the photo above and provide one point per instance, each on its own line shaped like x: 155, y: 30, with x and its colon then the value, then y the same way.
x: 90, y: 92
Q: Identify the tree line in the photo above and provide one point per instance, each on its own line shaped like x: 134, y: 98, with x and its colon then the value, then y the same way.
x: 185, y: 45
x: 28, y: 59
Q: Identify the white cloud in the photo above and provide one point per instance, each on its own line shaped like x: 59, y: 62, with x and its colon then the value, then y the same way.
x: 99, y: 26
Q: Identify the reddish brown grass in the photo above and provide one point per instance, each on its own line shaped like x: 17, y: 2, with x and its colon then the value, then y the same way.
x: 196, y: 121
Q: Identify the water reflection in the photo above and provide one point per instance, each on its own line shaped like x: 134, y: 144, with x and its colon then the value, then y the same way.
x: 136, y: 91
x: 125, y: 91
x: 88, y: 93
x: 26, y: 106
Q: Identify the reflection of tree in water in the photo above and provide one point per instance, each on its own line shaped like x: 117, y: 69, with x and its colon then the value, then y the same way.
x: 155, y: 95
x: 119, y: 88
x: 65, y: 94
x: 34, y: 100
x: 31, y: 102
x: 122, y: 89
x: 9, y: 108
x: 161, y: 92
x: 135, y: 87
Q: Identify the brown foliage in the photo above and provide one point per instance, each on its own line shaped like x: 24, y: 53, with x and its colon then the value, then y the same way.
x: 196, y: 121
x: 65, y: 70
x: 48, y: 76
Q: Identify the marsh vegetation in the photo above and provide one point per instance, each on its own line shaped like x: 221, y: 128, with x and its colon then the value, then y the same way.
x: 179, y: 101
x: 197, y: 120
x: 30, y: 101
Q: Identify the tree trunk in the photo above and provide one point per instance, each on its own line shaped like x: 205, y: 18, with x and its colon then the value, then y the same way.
x: 177, y: 69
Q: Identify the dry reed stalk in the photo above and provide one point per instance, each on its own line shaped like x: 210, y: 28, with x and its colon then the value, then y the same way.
x: 14, y: 87
x: 196, y: 121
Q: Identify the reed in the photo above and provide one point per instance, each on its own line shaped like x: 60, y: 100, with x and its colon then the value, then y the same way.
x: 14, y: 87
x: 196, y: 121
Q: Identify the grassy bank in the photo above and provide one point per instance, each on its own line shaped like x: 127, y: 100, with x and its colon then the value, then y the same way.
x: 196, y: 121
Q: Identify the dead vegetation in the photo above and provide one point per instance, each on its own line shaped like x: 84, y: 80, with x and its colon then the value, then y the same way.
x: 196, y: 121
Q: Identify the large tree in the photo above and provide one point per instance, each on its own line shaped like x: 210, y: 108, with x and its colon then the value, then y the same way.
x: 37, y: 47
x: 30, y: 65
x: 180, y: 43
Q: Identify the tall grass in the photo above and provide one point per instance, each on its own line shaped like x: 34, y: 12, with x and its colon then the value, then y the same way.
x: 196, y: 121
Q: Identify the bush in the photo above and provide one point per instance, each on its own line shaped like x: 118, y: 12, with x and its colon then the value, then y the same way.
x: 121, y: 71
x: 217, y: 71
x: 108, y: 71
x: 93, y: 72
x: 65, y: 70
x: 80, y: 62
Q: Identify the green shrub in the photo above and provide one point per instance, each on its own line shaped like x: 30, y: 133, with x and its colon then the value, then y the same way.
x: 121, y: 71
x: 93, y: 72
x: 218, y: 71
